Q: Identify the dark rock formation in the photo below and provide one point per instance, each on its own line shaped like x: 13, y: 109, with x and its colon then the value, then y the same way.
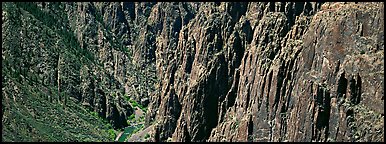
x: 260, y: 71
x: 270, y: 72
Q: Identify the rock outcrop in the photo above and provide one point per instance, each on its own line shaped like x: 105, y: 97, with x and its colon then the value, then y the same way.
x: 83, y: 50
x: 218, y: 71
x: 269, y: 72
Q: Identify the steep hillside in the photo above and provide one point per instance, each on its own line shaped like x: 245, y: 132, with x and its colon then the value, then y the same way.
x: 34, y: 107
x: 176, y: 71
x: 269, y: 72
x: 63, y: 68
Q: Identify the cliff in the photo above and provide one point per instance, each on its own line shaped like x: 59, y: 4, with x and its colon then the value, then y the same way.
x: 220, y: 71
x: 269, y: 72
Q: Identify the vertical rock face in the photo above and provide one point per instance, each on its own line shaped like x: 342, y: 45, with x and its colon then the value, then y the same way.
x: 260, y: 71
x: 110, y: 31
x: 268, y: 72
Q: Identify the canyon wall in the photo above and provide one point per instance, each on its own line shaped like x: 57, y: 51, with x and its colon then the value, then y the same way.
x: 219, y: 71
x: 268, y: 72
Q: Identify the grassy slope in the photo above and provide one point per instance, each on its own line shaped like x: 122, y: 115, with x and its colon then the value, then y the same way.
x: 27, y: 113
x: 28, y: 116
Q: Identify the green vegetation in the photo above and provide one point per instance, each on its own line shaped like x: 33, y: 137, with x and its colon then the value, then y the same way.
x: 34, y: 118
x: 126, y: 97
x: 237, y: 123
x: 147, y: 136
x: 38, y: 50
x: 112, y: 133
x: 60, y: 26
x: 43, y: 68
x: 95, y: 114
x: 131, y: 117
x: 135, y: 104
x: 144, y: 109
x: 126, y: 50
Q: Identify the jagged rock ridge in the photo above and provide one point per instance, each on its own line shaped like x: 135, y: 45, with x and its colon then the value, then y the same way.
x: 260, y: 71
x: 269, y: 72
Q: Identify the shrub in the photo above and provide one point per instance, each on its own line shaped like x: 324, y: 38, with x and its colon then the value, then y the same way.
x: 135, y: 131
x: 237, y: 123
x: 134, y: 104
x: 108, y: 125
x: 144, y: 109
x: 147, y: 136
x: 112, y: 133
x: 140, y: 106
x: 95, y: 114
x: 131, y: 117
x: 126, y: 97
